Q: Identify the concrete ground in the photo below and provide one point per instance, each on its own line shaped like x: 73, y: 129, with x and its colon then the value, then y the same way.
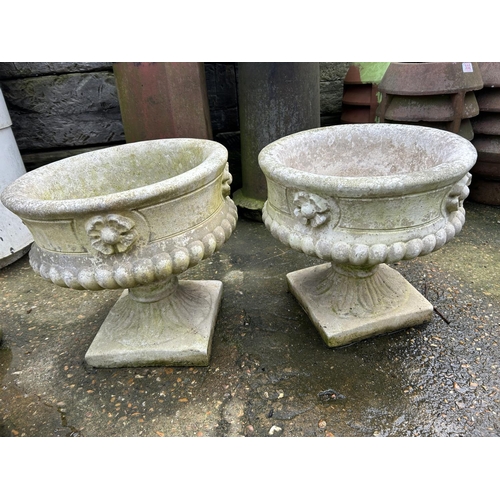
x: 270, y: 372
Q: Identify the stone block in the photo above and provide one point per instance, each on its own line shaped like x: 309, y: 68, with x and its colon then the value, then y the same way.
x: 333, y: 71
x: 77, y: 109
x: 16, y: 70
x: 337, y: 329
x: 222, y: 96
x: 331, y: 97
x: 67, y: 94
x: 152, y: 334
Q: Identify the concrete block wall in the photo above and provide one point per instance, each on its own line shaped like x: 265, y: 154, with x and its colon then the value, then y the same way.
x: 60, y: 109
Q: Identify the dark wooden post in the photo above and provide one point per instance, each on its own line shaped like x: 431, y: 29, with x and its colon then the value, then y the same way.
x: 163, y: 99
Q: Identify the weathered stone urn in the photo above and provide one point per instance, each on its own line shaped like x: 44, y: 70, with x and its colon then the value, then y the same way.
x: 134, y: 217
x: 361, y: 197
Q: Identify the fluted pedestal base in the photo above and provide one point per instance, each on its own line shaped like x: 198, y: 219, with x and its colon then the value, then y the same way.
x: 169, y: 324
x: 347, y: 305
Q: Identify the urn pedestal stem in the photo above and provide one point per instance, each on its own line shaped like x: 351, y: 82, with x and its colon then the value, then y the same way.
x: 348, y: 304
x: 167, y: 323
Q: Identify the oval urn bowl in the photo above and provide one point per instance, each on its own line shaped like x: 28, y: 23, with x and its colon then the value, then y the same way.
x: 362, y: 197
x: 134, y: 217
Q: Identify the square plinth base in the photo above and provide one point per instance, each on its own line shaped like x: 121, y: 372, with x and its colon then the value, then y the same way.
x: 171, y: 332
x: 338, y: 330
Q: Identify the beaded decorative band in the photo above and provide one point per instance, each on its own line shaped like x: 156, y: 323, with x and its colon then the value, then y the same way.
x: 121, y: 269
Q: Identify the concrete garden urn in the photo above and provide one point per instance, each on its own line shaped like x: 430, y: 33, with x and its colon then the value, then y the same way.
x: 134, y: 217
x: 361, y: 197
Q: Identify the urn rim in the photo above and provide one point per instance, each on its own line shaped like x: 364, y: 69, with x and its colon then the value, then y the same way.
x: 22, y: 196
x: 460, y: 157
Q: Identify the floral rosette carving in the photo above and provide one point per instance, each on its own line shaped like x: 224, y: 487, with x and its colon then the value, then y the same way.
x: 311, y: 209
x: 157, y: 262
x: 110, y: 234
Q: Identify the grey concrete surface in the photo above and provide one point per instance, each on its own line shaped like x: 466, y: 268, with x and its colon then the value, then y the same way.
x: 270, y: 372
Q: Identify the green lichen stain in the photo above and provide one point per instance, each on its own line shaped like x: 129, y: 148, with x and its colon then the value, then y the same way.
x: 372, y: 72
x: 116, y: 171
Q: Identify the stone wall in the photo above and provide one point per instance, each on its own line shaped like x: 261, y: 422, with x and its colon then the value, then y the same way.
x: 331, y: 88
x: 222, y: 96
x: 62, y: 109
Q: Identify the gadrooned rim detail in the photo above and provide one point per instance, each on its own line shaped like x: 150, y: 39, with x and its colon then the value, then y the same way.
x: 143, y: 271
x: 361, y: 254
